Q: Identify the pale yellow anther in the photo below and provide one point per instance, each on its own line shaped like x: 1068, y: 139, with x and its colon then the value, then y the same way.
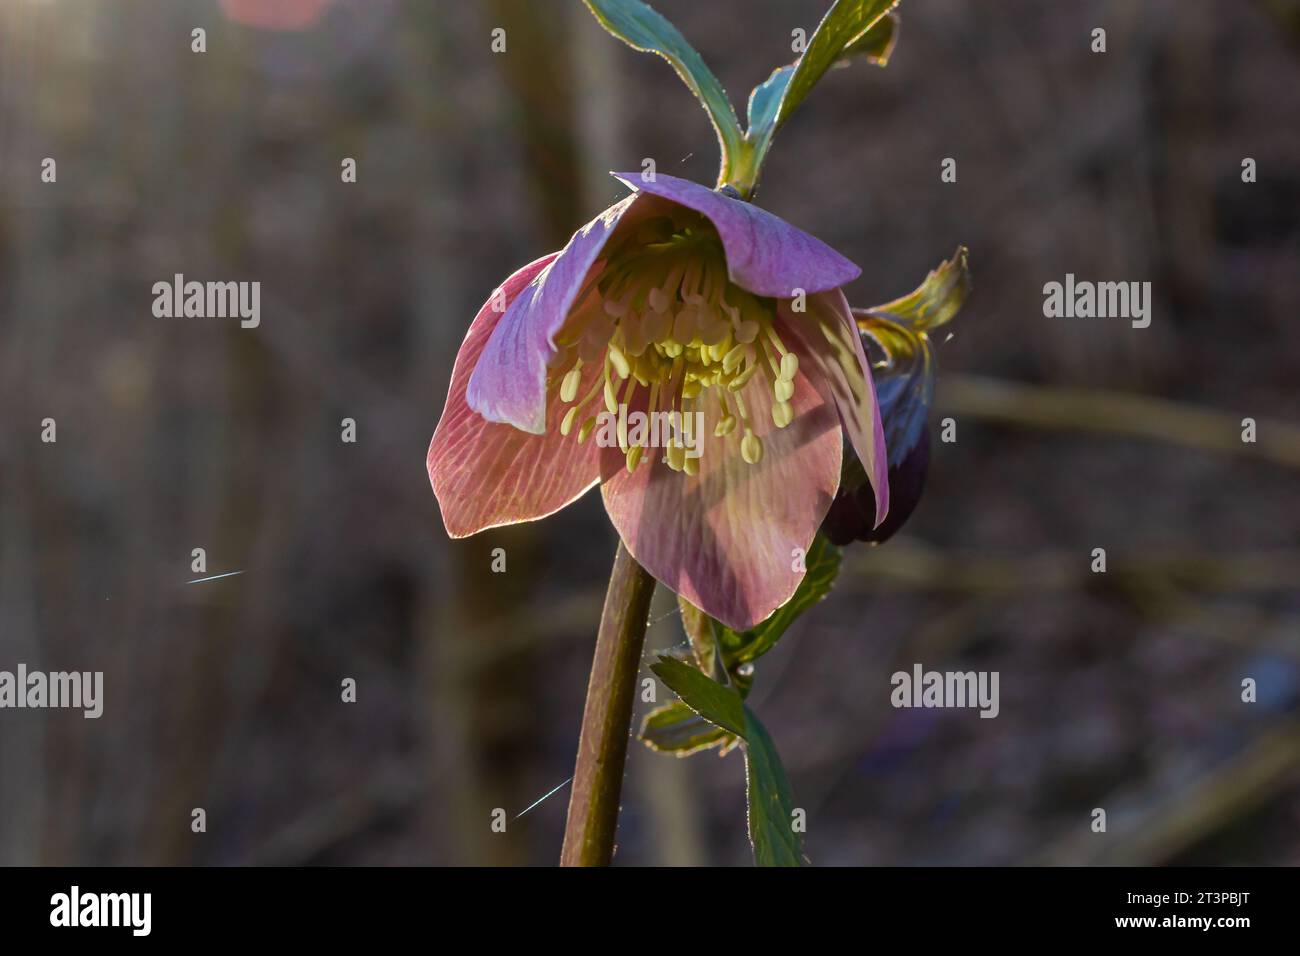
x: 731, y: 361
x: 647, y: 369
x: 634, y: 457
x: 569, y: 384
x: 789, y: 365
x: 619, y: 361
x: 668, y: 319
x: 782, y: 414
x: 741, y: 412
x: 675, y: 457
x: 741, y: 380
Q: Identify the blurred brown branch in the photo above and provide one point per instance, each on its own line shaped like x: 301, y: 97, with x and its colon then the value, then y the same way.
x: 910, y: 564
x: 1116, y: 413
x: 1186, y: 814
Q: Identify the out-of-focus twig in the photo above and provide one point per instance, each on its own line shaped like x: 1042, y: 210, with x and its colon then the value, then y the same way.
x: 1117, y: 413
x: 910, y: 564
x: 1162, y: 829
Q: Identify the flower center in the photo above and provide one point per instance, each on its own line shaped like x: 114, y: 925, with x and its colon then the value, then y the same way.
x: 664, y: 317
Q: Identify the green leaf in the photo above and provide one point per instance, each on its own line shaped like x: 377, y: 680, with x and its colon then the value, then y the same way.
x: 714, y: 702
x: 823, y: 564
x: 850, y: 28
x: 771, y: 807
x: 765, y: 102
x: 847, y: 23
x: 675, y: 728
x: 877, y: 44
x: 642, y: 28
x: 671, y: 728
x: 932, y: 303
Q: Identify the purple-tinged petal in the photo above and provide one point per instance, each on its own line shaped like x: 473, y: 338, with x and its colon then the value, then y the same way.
x: 486, y: 474
x: 724, y: 539
x: 829, y: 348
x: 765, y: 254
x: 509, y: 383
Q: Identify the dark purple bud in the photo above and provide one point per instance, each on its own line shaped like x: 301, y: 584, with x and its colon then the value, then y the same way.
x: 850, y: 514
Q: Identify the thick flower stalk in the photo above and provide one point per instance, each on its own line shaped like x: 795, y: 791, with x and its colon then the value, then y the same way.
x: 694, y: 355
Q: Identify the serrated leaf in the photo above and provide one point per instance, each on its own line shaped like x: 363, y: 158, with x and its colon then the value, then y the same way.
x: 644, y: 29
x: 675, y: 728
x: 771, y: 806
x: 714, y: 702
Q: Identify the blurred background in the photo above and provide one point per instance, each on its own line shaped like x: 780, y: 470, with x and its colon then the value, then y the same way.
x: 1120, y: 691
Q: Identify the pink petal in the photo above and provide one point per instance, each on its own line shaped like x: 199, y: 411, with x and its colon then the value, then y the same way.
x: 826, y: 340
x: 765, y: 254
x: 724, y: 539
x: 486, y: 474
x: 509, y: 382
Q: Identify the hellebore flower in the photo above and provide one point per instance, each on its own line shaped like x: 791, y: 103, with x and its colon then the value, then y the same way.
x: 899, y: 330
x: 678, y: 299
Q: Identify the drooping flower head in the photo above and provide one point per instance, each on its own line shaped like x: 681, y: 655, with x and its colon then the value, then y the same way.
x: 711, y: 312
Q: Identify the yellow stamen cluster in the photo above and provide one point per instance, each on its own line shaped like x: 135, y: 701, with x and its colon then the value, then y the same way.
x: 664, y: 317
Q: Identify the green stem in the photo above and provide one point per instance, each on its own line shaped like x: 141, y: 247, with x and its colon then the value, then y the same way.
x: 743, y: 168
x: 607, y: 718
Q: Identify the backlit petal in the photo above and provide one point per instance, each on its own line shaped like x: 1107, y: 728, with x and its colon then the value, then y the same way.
x: 830, y: 349
x: 486, y: 474
x: 509, y: 383
x: 765, y: 254
x: 725, y: 539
